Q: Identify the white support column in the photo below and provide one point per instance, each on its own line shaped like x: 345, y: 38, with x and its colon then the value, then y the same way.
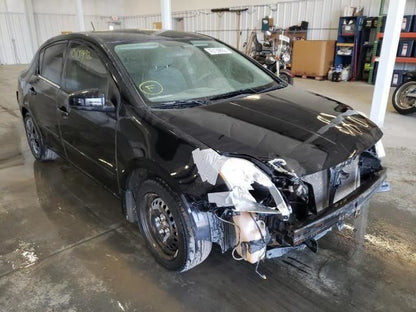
x: 30, y: 18
x: 165, y: 7
x: 80, y: 15
x: 387, y: 60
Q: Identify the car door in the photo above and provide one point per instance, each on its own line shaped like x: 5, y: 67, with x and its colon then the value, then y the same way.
x: 44, y: 87
x: 88, y: 136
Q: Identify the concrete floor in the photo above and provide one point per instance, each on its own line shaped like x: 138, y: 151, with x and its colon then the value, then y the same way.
x: 64, y: 245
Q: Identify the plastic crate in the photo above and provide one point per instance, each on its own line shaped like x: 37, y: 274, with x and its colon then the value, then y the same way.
x: 348, y: 26
x: 414, y: 24
x: 405, y: 48
x: 383, y: 23
x: 407, y: 23
x: 397, y: 78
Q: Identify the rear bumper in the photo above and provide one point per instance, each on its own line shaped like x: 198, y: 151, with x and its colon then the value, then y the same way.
x: 337, y: 212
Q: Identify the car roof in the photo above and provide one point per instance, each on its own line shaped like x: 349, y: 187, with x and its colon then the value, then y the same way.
x: 130, y: 35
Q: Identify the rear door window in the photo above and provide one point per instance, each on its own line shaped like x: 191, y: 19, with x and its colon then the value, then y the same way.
x: 51, y: 62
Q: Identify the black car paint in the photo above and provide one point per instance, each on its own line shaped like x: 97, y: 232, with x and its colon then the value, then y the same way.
x: 281, y: 123
x: 136, y: 137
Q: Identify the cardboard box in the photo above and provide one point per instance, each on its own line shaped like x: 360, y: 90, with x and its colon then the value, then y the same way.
x: 312, y: 57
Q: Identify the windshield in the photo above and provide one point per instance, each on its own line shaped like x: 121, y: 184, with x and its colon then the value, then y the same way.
x: 177, y: 71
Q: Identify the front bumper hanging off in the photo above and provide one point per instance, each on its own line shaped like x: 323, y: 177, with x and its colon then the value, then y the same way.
x: 315, y: 227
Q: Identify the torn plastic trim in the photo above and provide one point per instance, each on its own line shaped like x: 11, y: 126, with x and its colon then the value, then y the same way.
x: 239, y: 175
x: 280, y: 251
x: 301, y: 189
x: 236, y: 198
x: 280, y: 165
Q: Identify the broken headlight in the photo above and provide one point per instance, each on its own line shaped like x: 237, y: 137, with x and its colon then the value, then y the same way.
x: 250, y: 189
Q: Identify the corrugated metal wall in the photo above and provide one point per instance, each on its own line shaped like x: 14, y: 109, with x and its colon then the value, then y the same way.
x: 49, y: 25
x: 15, y: 46
x: 322, y: 16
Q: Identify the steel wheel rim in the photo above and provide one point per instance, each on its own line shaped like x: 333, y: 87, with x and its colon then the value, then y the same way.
x: 32, y: 136
x: 401, y: 98
x: 161, y: 227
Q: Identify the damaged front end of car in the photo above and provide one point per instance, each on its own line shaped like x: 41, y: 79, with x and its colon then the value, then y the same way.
x: 263, y: 210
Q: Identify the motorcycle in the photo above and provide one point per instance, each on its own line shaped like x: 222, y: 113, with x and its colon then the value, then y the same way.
x: 269, y: 57
x: 404, y: 97
x: 284, y: 52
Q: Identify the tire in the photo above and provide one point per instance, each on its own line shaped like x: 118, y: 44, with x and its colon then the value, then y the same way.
x: 401, y: 103
x: 166, y: 227
x: 36, y: 142
x: 286, y: 77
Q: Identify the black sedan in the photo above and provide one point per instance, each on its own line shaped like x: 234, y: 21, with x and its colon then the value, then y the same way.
x: 201, y: 143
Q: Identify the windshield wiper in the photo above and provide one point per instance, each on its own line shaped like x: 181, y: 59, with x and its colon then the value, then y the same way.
x: 233, y: 94
x: 271, y: 88
x: 205, y: 101
x: 244, y: 92
x: 181, y: 103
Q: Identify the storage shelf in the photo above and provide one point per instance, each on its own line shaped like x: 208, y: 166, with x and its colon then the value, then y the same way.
x: 349, y: 38
x: 345, y: 44
x: 401, y: 59
x: 405, y: 59
x: 402, y: 35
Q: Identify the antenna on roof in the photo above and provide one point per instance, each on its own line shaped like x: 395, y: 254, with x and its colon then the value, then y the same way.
x: 93, y: 27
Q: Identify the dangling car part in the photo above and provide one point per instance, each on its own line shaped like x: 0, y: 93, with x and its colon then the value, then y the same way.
x: 269, y: 221
x: 201, y: 143
x: 404, y: 97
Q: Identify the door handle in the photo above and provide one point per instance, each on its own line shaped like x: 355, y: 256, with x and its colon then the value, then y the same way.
x: 64, y: 111
x: 33, y: 91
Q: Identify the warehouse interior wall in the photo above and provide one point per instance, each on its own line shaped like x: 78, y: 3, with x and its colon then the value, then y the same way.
x: 52, y: 17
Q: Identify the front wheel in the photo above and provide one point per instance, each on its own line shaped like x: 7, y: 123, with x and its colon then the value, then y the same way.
x: 404, y: 98
x: 166, y: 227
x: 286, y: 77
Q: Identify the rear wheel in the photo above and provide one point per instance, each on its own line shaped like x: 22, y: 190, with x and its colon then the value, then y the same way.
x: 402, y: 102
x: 36, y: 142
x: 166, y: 226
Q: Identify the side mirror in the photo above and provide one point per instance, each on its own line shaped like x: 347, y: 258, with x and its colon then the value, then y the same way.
x: 91, y: 99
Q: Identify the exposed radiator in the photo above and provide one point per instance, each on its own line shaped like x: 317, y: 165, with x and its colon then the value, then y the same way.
x: 345, y: 178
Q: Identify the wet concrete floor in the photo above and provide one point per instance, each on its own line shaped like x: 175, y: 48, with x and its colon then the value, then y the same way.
x: 64, y: 245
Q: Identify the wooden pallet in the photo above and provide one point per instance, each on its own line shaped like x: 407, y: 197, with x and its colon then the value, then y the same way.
x: 311, y: 77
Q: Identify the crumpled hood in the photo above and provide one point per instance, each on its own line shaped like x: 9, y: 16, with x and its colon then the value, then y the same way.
x: 309, y: 131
